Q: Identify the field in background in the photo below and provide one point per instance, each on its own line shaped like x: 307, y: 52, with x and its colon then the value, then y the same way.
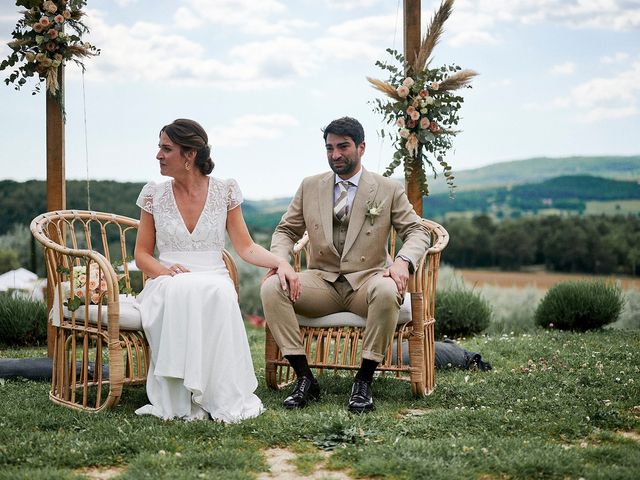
x: 541, y: 280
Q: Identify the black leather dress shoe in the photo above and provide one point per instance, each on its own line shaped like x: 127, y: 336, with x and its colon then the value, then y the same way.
x: 306, y: 389
x: 361, y: 397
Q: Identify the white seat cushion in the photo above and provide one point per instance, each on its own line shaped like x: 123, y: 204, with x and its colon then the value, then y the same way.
x: 129, y: 313
x: 349, y: 319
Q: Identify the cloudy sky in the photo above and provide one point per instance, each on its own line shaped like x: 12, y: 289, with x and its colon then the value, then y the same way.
x: 557, y: 78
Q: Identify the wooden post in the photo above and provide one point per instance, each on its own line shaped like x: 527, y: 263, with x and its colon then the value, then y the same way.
x: 56, y: 191
x: 411, y: 14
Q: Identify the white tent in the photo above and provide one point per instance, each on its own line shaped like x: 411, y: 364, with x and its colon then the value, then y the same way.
x: 20, y: 279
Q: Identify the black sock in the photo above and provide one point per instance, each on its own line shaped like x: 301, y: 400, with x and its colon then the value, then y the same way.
x: 367, y: 369
x: 300, y: 365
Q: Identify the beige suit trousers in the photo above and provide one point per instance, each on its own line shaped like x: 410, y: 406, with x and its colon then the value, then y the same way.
x: 377, y: 300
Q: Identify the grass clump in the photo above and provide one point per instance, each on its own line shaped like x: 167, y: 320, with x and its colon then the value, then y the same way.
x: 580, y: 306
x: 461, y: 312
x: 23, y: 321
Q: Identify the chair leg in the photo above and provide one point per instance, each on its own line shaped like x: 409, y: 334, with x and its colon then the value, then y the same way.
x: 270, y: 354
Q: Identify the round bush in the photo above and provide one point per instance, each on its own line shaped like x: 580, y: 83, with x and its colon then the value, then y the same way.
x: 22, y: 321
x: 580, y: 305
x: 460, y: 312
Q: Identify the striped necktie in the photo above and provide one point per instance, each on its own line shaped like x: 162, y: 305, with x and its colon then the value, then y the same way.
x: 341, y: 207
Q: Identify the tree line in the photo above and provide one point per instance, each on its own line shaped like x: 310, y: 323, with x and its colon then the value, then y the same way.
x: 585, y: 244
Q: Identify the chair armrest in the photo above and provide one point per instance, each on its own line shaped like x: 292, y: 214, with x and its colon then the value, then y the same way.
x: 300, y: 244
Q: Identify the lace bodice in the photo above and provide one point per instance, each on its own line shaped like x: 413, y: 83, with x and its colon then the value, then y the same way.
x: 172, y: 234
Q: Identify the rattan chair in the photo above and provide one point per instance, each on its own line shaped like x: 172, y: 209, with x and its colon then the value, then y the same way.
x: 99, y: 346
x: 334, y: 341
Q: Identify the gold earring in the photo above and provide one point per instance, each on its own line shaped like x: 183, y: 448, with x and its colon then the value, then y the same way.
x: 187, y: 166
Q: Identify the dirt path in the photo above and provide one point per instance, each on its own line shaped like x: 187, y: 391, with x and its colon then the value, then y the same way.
x: 542, y: 280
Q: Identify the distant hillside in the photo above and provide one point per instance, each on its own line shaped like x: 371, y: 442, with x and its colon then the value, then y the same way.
x: 503, y: 188
x: 534, y: 170
x: 20, y: 202
x: 571, y: 194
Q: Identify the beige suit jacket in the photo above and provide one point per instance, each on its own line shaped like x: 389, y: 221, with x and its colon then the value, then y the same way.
x: 365, y: 249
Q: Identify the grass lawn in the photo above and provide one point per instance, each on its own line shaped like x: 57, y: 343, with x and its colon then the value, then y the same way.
x: 557, y: 405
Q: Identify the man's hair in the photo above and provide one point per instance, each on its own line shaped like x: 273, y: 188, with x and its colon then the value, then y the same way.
x: 347, y: 127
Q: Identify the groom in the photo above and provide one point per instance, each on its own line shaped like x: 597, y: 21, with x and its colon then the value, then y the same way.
x: 348, y: 214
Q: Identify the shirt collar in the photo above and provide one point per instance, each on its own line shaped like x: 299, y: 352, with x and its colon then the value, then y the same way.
x: 354, y: 180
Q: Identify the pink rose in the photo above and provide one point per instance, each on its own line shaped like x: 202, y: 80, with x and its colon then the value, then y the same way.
x: 37, y: 27
x: 433, y: 126
x: 79, y: 292
x: 435, y: 85
x: 424, y: 123
x: 51, y: 46
x: 410, y: 109
x: 400, y: 122
x: 404, y: 133
x: 66, y: 14
x: 424, y: 93
x: 412, y: 124
x: 49, y: 6
x: 53, y: 33
x: 58, y: 19
x: 408, y: 82
x: 93, y: 284
x: 103, y: 285
x: 415, y: 115
x: 95, y: 298
x: 44, y: 21
x: 403, y: 91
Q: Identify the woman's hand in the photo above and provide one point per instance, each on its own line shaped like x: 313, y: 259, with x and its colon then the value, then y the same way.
x: 175, y: 269
x: 289, y: 280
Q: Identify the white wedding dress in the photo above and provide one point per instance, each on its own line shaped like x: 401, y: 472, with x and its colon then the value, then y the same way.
x: 200, y: 359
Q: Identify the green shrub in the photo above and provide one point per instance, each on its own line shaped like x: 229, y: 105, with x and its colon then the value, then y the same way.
x: 22, y: 321
x: 8, y: 261
x: 460, y: 312
x: 580, y: 305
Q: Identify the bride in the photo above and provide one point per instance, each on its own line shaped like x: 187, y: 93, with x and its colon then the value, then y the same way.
x: 200, y: 363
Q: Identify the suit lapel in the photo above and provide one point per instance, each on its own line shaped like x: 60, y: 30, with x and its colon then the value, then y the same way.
x: 367, y: 189
x: 325, y: 204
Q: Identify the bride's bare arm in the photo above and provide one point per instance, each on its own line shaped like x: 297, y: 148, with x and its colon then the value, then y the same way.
x: 257, y: 255
x: 145, y: 244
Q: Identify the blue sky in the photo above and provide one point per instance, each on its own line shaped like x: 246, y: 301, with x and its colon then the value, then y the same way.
x: 557, y: 78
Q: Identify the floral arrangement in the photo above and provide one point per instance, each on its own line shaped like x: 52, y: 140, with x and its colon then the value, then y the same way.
x: 40, y: 44
x: 82, y: 287
x: 422, y: 106
x: 373, y: 210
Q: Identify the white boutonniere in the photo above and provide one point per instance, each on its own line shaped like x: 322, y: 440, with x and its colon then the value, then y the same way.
x: 373, y: 210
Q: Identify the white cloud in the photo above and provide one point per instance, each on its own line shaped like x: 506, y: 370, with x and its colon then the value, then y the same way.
x: 605, y: 113
x: 156, y: 53
x: 475, y: 21
x: 125, y: 3
x: 264, y: 17
x: 350, y: 4
x: 566, y: 68
x: 244, y: 130
x: 186, y: 19
x: 615, y: 58
x: 599, y: 98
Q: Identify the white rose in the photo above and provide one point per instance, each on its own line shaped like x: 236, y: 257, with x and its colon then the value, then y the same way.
x: 408, y: 82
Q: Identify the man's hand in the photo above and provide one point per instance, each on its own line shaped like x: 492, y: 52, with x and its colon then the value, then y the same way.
x: 399, y: 272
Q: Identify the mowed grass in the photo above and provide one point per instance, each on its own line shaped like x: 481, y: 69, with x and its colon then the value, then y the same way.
x: 556, y: 405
